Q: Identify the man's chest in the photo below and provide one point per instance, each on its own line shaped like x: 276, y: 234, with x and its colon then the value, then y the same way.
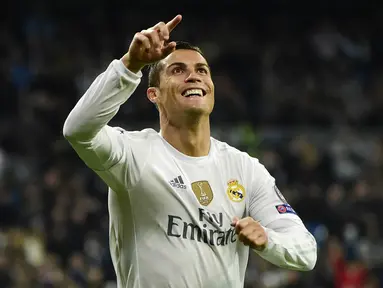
x: 199, y: 192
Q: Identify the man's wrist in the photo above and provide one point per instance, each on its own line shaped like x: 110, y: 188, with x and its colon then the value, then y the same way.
x: 133, y: 67
x: 260, y: 248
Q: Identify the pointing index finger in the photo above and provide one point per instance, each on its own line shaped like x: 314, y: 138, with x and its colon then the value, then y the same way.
x: 173, y: 23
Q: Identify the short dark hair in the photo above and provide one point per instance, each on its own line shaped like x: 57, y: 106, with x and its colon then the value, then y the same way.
x: 156, y: 68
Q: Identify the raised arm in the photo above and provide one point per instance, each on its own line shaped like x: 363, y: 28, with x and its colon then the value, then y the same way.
x: 99, y: 145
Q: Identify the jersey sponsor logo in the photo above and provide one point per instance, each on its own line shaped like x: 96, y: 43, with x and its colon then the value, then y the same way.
x: 285, y: 208
x: 177, y: 183
x: 279, y: 194
x: 203, y: 192
x: 235, y: 191
x: 208, y: 229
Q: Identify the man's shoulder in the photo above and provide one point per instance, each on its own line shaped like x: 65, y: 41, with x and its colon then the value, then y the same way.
x: 225, y: 150
x: 241, y: 160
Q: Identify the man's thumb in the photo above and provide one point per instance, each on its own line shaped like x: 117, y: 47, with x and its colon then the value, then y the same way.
x: 234, y: 221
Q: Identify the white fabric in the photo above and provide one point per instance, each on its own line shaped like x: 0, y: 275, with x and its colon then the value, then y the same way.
x: 162, y: 233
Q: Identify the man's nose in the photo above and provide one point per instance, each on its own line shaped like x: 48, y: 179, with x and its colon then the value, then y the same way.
x: 192, y: 78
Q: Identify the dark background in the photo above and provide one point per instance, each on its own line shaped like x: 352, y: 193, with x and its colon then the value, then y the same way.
x: 298, y: 85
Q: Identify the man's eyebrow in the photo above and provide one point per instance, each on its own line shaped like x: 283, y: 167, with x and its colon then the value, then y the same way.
x: 176, y: 64
x: 203, y: 65
x: 181, y: 64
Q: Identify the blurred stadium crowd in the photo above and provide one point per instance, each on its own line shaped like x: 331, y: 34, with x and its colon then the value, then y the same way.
x: 298, y: 86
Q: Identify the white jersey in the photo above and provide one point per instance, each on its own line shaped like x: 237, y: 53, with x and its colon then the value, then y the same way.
x: 171, y: 214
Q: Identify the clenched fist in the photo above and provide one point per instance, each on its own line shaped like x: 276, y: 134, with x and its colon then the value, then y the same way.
x: 250, y: 233
x: 150, y: 45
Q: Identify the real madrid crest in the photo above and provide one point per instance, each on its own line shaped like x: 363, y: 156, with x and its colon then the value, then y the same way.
x: 235, y: 191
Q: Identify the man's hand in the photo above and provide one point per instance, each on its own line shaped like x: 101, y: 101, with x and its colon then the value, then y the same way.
x: 250, y: 233
x: 151, y: 45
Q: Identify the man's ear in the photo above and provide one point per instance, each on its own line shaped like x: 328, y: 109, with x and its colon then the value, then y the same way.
x: 152, y: 93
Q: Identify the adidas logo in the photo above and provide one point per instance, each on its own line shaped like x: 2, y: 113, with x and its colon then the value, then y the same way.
x: 177, y: 183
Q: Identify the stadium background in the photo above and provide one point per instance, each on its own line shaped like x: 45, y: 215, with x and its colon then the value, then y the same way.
x: 298, y: 85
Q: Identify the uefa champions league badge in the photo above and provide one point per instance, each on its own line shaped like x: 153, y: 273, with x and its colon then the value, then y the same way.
x: 284, y: 209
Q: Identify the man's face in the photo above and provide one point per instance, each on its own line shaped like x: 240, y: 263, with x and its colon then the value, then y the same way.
x: 185, y: 85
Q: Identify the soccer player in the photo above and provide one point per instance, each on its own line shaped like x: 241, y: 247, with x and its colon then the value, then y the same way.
x: 184, y: 207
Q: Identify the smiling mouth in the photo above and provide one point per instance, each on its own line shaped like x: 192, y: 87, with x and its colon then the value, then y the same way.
x: 194, y: 92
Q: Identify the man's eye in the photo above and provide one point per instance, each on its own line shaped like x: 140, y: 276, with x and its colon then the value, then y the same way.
x: 177, y: 70
x: 202, y: 70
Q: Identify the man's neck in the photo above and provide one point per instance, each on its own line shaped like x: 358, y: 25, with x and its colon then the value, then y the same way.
x: 192, y: 140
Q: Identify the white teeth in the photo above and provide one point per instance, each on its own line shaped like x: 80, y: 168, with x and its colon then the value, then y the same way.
x: 193, y: 92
